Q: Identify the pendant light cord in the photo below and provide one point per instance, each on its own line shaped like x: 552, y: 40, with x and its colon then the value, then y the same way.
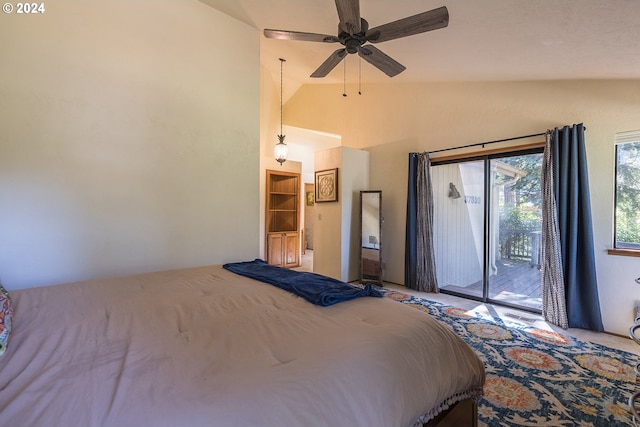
x: 281, y: 62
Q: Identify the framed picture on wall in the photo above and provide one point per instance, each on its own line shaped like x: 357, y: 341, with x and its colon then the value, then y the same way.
x: 327, y: 185
x: 310, y: 198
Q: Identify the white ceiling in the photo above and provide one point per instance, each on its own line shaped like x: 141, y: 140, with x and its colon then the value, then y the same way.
x: 488, y: 40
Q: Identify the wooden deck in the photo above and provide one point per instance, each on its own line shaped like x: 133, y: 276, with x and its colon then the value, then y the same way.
x: 517, y: 283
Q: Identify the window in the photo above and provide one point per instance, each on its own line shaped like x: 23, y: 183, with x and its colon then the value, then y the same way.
x: 627, y: 196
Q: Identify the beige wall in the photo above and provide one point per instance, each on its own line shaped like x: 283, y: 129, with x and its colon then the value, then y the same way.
x: 391, y: 120
x: 355, y: 178
x: 337, y: 224
x: 129, y: 140
x: 327, y: 251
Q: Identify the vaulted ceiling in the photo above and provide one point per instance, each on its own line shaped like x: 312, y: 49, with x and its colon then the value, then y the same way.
x: 488, y: 40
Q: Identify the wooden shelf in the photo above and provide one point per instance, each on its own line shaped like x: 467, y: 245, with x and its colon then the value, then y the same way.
x: 282, y: 218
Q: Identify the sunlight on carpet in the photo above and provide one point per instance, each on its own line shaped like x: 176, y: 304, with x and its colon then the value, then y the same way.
x: 538, y: 377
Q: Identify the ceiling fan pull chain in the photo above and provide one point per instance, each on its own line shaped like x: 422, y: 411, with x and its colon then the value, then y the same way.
x: 359, y: 75
x: 344, y: 80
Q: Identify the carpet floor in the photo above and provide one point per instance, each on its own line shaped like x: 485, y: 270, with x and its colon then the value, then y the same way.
x: 539, y: 377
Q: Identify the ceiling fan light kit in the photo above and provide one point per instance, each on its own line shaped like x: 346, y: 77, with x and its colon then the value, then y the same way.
x: 356, y: 37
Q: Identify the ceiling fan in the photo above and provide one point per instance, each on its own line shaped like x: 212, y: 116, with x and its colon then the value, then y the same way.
x: 354, y: 34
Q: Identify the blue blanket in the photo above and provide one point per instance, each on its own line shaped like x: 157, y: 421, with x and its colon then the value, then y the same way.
x: 315, y: 288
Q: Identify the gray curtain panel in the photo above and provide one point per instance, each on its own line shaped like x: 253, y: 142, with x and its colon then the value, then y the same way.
x: 553, y: 298
x: 420, y: 231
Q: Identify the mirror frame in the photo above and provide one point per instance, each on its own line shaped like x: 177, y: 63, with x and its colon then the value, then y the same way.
x: 371, y: 278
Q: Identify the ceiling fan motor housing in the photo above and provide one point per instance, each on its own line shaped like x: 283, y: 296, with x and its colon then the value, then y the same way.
x: 352, y: 42
x: 352, y: 45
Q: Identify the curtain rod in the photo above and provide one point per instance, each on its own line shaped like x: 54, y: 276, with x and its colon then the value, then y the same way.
x: 489, y: 142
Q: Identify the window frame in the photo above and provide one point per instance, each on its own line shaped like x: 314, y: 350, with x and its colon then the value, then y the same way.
x: 630, y: 249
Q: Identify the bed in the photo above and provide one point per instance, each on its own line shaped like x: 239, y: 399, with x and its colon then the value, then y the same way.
x: 207, y: 347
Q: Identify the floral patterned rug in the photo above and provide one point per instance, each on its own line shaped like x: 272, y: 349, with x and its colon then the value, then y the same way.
x: 539, y: 377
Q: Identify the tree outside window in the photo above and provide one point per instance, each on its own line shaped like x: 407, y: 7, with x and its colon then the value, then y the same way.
x: 627, y: 209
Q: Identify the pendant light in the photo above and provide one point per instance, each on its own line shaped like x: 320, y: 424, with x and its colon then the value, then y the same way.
x: 281, y: 149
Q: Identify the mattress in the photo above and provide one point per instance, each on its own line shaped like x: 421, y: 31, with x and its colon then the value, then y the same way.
x: 206, y: 347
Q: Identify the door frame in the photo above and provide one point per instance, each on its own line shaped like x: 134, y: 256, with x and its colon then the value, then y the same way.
x: 486, y: 158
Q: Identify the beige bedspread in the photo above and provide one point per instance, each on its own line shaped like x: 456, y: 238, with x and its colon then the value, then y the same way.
x: 206, y: 347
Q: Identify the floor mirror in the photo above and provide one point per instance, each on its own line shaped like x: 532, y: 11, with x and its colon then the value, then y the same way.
x: 371, y: 237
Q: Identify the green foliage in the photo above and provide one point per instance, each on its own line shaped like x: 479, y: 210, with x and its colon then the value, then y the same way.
x: 529, y: 187
x: 520, y: 219
x: 524, y: 212
x: 628, y: 193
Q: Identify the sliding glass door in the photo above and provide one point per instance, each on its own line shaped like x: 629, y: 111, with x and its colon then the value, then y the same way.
x: 487, y: 222
x: 459, y: 226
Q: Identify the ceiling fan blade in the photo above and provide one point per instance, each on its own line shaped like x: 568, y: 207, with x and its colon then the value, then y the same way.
x: 330, y: 63
x: 381, y: 60
x: 349, y: 14
x: 297, y: 35
x: 416, y: 24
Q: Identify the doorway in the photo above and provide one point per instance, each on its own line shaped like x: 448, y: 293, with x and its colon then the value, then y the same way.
x: 306, y: 263
x: 487, y: 228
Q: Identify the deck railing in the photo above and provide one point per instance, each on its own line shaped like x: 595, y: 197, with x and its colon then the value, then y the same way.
x: 521, y: 245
